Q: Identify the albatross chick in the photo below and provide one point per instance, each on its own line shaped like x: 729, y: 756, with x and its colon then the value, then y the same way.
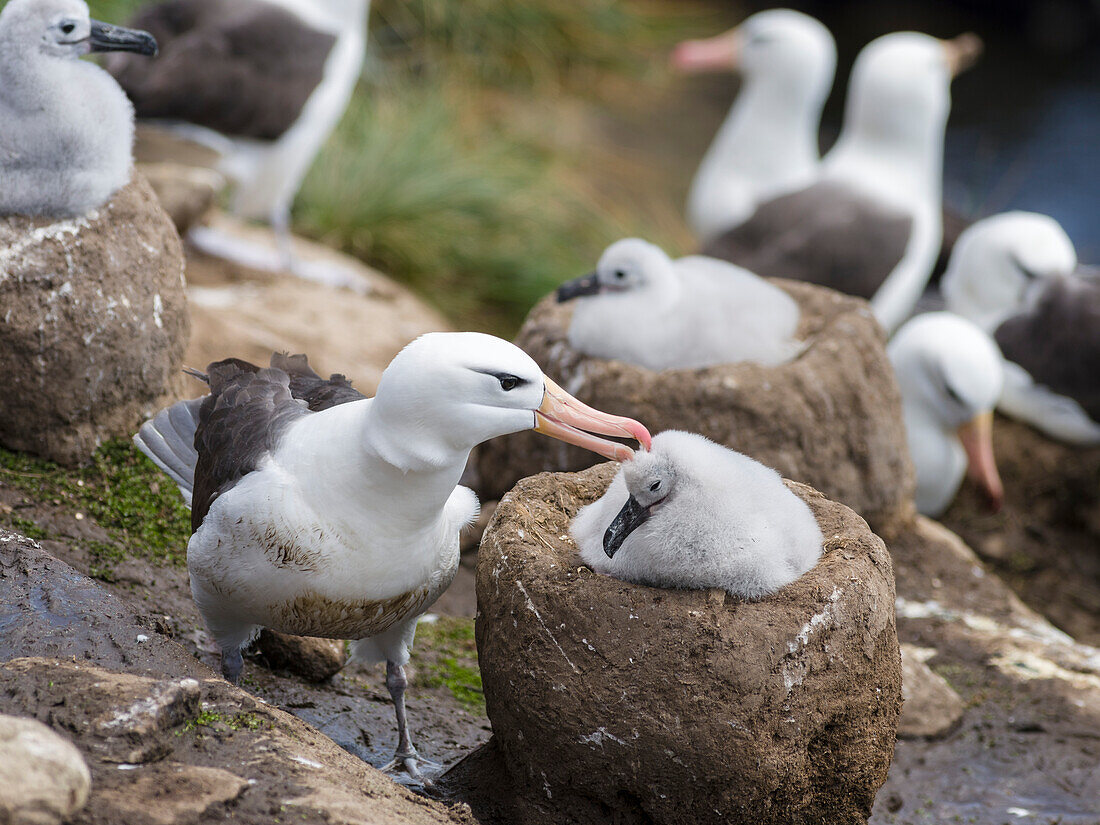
x: 693, y: 514
x: 66, y: 128
x: 642, y: 307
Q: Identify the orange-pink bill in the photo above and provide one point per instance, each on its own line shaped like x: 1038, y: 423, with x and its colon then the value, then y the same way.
x: 719, y: 53
x: 563, y: 417
x: 976, y: 436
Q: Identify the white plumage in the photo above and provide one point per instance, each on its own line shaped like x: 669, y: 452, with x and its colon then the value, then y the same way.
x: 950, y: 375
x: 767, y: 144
x: 66, y: 128
x: 693, y: 514
x: 1015, y: 276
x: 642, y: 307
x: 344, y: 522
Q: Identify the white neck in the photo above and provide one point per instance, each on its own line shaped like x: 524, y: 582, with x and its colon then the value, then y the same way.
x: 350, y: 452
x: 766, y: 145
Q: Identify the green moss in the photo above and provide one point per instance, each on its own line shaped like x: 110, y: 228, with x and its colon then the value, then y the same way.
x: 122, y: 490
x: 445, y: 655
x: 222, y: 722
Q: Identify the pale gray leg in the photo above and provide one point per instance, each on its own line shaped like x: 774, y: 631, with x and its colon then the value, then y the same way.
x: 406, y: 758
x: 232, y: 662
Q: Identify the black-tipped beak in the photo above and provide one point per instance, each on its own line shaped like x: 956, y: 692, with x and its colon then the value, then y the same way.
x: 630, y: 518
x: 588, y: 285
x: 108, y: 38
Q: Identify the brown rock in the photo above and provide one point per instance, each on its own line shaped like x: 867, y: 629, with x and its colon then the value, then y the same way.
x: 186, y: 193
x: 931, y: 707
x: 93, y: 324
x: 183, y: 793
x: 43, y: 778
x: 1044, y: 541
x: 249, y: 314
x: 315, y: 660
x: 615, y: 702
x: 213, y: 732
x: 831, y: 418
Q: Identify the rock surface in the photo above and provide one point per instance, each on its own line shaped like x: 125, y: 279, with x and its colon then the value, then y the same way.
x: 186, y: 193
x: 614, y: 702
x: 93, y: 324
x: 1025, y: 747
x: 249, y: 313
x: 831, y: 418
x: 43, y: 778
x: 315, y: 660
x: 174, y: 744
x: 931, y: 707
x: 1045, y: 541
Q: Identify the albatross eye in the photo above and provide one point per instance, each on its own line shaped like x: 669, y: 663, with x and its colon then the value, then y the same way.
x: 655, y: 486
x: 508, y: 382
x: 954, y: 395
x: 67, y: 28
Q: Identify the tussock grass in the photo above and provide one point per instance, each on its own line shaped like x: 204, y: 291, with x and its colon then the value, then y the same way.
x: 477, y: 222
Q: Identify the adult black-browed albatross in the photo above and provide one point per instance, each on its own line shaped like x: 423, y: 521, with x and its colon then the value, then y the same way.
x: 1017, y: 277
x: 767, y: 144
x: 319, y: 512
x: 263, y: 82
x: 66, y: 128
x: 872, y: 224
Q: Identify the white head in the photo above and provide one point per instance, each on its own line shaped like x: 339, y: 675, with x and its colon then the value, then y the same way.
x: 447, y: 392
x: 62, y: 29
x: 951, y: 373
x: 629, y: 266
x: 997, y: 263
x: 791, y: 52
x: 899, y: 92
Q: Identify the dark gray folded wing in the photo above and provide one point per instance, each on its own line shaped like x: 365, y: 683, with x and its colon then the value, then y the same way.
x: 319, y: 393
x: 826, y: 234
x: 1058, y: 342
x: 241, y: 67
x: 240, y: 423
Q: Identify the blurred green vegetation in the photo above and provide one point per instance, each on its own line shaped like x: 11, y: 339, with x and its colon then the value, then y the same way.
x: 453, y: 170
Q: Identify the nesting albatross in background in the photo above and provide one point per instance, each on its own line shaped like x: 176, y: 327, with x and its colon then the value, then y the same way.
x: 319, y: 512
x: 767, y: 144
x: 642, y: 307
x: 693, y: 514
x: 872, y: 224
x: 1016, y: 276
x: 950, y: 375
x: 262, y: 82
x: 66, y: 128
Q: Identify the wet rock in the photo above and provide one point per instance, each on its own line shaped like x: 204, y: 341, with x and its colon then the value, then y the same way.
x: 931, y: 707
x: 1044, y: 540
x: 236, y: 757
x: 93, y: 324
x: 831, y: 418
x: 615, y: 702
x: 249, y: 313
x: 1025, y: 747
x: 48, y: 609
x: 315, y: 660
x: 43, y: 778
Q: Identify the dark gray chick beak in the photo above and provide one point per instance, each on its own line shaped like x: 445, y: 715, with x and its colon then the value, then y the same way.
x: 630, y: 518
x: 108, y: 38
x: 588, y: 285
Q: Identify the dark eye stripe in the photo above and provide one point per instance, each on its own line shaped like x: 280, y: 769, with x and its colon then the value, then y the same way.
x: 504, y: 377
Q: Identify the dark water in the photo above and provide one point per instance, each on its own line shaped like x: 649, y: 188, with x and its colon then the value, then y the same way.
x: 1024, y: 131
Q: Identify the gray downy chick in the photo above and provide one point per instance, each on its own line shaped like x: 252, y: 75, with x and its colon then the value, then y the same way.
x: 66, y: 127
x: 693, y: 514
